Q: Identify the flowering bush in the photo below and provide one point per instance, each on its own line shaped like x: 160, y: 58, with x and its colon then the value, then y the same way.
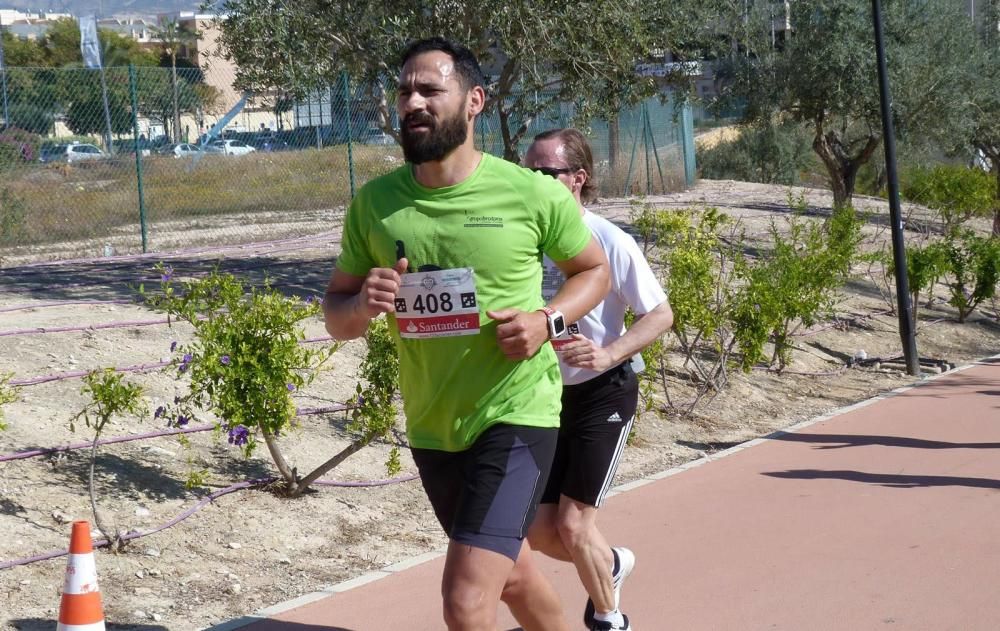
x: 246, y: 362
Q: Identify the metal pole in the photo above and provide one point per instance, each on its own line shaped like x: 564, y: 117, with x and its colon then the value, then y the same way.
x: 3, y: 81
x: 904, y: 307
x: 138, y: 154
x: 107, y: 110
x: 350, y: 143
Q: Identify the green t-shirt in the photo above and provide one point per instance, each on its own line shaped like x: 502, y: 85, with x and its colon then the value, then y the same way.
x: 498, y: 221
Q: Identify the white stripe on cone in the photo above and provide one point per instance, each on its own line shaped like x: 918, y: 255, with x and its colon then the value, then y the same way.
x: 81, y: 574
x: 94, y: 626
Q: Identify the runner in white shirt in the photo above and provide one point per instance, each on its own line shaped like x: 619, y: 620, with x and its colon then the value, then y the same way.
x: 600, y: 391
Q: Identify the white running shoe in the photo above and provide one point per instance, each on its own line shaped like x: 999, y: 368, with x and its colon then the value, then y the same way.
x: 624, y: 561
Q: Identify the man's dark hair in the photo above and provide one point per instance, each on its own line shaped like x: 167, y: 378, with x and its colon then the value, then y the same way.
x: 466, y: 64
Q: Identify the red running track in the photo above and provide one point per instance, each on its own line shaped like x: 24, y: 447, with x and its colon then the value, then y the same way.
x: 884, y: 516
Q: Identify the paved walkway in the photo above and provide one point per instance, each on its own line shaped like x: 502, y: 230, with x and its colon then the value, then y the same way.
x: 884, y: 516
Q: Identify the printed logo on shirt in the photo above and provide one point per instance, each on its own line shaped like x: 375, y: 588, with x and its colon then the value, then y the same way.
x: 482, y: 221
x: 615, y: 418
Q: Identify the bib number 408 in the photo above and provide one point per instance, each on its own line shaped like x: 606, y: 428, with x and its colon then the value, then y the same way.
x: 433, y: 303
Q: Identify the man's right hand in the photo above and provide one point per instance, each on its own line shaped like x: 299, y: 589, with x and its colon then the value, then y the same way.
x: 378, y: 293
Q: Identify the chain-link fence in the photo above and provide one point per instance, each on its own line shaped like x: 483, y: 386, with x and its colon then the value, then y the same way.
x: 133, y: 159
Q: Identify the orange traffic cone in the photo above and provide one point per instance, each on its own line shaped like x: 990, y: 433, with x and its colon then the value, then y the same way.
x: 80, y: 609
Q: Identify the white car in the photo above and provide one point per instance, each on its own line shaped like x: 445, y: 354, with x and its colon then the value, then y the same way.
x: 229, y: 147
x: 73, y: 152
x: 181, y: 149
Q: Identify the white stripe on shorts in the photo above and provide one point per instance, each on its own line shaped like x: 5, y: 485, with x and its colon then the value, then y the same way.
x: 619, y: 448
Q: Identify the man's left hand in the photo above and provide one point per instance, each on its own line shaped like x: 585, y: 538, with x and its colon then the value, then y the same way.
x: 520, y: 333
x: 584, y: 353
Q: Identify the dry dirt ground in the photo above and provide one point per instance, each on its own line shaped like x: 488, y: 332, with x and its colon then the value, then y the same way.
x: 249, y: 549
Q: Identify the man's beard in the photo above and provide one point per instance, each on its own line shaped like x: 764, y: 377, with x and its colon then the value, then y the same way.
x: 437, y: 142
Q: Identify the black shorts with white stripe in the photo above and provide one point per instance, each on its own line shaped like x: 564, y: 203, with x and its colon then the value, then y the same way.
x: 596, y: 419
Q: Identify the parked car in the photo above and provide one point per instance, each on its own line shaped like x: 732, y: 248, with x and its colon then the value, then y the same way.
x: 72, y: 152
x: 269, y: 143
x: 229, y: 147
x: 377, y: 137
x: 180, y: 150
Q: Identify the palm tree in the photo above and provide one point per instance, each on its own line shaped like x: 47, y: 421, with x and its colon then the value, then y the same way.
x: 173, y: 36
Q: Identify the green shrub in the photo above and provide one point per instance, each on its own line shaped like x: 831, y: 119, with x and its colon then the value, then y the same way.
x: 7, y: 395
x: 956, y: 193
x: 699, y: 284
x: 375, y: 414
x: 973, y: 264
x: 110, y: 396
x: 12, y: 214
x: 794, y: 284
x: 924, y: 267
x: 18, y: 146
x: 770, y: 154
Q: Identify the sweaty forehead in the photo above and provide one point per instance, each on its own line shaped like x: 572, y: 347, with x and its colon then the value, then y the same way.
x: 551, y: 152
x: 433, y: 67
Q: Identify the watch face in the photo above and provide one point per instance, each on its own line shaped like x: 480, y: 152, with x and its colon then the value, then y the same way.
x: 558, y: 326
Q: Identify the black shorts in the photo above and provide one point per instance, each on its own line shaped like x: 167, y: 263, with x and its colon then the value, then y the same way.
x: 487, y: 495
x: 595, y: 423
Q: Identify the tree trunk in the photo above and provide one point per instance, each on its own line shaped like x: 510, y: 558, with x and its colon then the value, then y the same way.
x: 113, y: 537
x: 840, y: 164
x: 287, y: 473
x: 302, y: 485
x: 509, y: 147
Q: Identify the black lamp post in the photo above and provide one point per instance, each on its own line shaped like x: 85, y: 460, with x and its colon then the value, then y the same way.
x: 904, y: 308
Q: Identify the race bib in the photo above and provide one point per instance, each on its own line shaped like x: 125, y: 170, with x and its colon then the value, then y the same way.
x: 559, y: 342
x: 441, y: 303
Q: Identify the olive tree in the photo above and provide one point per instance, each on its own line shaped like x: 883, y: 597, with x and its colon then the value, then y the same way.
x: 823, y: 73
x: 536, y: 52
x: 985, y: 97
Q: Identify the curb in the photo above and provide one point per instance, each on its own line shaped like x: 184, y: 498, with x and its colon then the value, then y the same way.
x: 406, y: 564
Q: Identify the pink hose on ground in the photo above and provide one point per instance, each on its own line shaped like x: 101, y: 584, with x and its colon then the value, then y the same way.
x: 53, y: 554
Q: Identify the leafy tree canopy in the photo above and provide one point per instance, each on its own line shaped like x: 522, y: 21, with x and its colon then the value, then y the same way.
x: 824, y: 74
x: 537, y: 52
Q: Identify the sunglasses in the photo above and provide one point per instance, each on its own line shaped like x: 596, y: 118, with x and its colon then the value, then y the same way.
x: 552, y: 171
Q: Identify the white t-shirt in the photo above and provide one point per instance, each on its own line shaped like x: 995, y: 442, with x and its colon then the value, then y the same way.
x: 633, y: 284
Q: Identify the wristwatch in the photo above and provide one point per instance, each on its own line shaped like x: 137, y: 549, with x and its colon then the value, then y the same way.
x: 557, y: 323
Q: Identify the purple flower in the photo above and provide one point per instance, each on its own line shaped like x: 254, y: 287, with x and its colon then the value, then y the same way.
x: 291, y: 387
x: 309, y: 299
x: 173, y: 346
x: 168, y: 273
x: 224, y: 360
x: 159, y: 412
x: 187, y: 358
x: 182, y: 421
x: 239, y: 435
x: 360, y: 401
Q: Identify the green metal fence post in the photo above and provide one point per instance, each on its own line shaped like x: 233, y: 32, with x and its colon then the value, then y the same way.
x: 350, y: 144
x: 645, y: 147
x: 656, y: 152
x: 687, y: 143
x: 138, y: 154
x: 631, y: 164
